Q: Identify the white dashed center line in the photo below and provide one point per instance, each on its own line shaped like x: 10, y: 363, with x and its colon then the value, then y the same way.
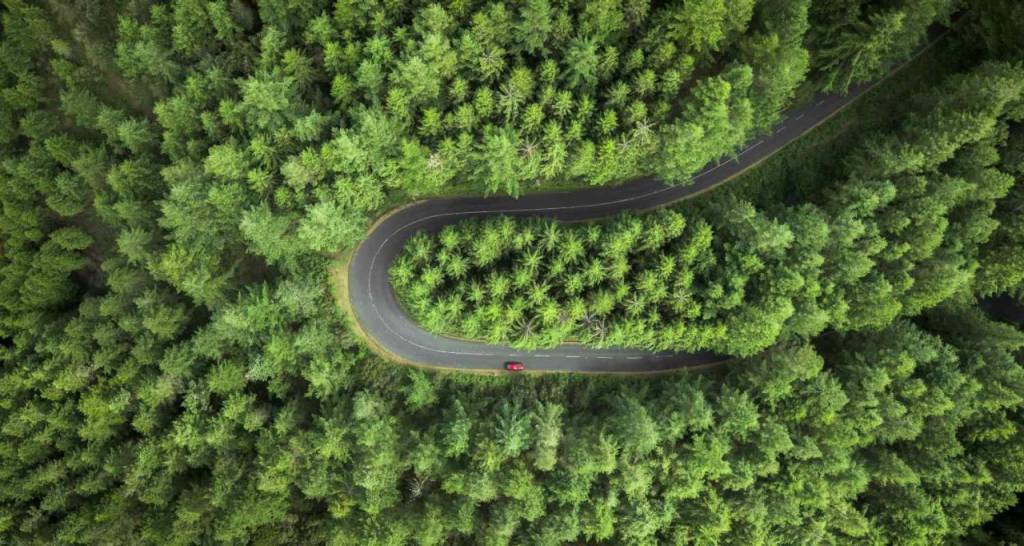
x: 752, y: 146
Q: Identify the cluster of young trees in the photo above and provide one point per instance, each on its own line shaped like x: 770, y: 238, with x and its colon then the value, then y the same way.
x: 902, y: 233
x: 173, y: 369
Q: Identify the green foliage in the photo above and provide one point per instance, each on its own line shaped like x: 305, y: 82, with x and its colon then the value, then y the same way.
x: 853, y: 40
x: 174, y: 176
x: 1002, y: 258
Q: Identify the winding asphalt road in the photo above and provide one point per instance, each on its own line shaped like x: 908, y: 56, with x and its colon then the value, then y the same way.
x: 380, y: 316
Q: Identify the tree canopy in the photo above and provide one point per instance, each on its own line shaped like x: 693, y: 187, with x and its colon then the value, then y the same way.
x: 177, y: 177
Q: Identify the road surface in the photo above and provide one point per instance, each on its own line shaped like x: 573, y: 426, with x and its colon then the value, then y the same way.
x: 380, y: 316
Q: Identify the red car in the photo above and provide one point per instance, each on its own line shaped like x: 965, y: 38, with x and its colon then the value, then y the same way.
x: 515, y: 366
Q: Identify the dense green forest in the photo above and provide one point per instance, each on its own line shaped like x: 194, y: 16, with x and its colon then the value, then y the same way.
x: 175, y: 178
